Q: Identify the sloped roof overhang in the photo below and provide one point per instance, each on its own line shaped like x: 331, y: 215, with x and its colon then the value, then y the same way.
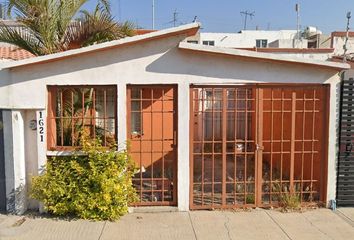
x: 188, y: 30
x: 261, y: 56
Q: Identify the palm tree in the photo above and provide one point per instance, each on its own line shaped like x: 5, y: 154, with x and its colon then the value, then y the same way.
x: 50, y: 26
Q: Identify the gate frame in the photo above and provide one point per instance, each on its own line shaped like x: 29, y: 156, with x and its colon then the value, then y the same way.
x: 259, y: 139
x: 129, y: 87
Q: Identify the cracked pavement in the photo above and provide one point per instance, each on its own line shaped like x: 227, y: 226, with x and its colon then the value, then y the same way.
x: 254, y: 224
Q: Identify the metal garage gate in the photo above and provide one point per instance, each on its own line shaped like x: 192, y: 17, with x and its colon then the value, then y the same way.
x: 2, y: 167
x: 345, y: 183
x: 251, y: 144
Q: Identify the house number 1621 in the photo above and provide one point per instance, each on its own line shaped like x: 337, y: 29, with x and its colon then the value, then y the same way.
x: 41, y: 126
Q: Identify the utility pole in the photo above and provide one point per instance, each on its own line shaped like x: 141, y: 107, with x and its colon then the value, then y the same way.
x: 153, y: 14
x: 297, y: 9
x: 345, y: 47
x: 246, y: 14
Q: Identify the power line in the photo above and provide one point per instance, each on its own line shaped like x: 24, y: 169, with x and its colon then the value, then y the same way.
x: 246, y: 14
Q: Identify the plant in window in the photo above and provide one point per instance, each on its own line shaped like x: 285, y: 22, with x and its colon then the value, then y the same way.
x: 82, y: 109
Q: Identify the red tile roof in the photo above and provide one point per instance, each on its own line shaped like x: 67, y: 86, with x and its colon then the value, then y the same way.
x: 13, y: 53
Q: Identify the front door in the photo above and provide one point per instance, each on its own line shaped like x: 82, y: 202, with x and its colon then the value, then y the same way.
x: 152, y: 132
x: 258, y: 145
x: 2, y: 167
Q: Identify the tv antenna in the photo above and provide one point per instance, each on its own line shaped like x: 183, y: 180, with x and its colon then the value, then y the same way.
x: 246, y: 14
x: 297, y: 9
x: 175, y: 18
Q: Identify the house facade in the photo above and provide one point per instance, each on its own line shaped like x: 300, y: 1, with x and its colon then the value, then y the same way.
x: 209, y: 127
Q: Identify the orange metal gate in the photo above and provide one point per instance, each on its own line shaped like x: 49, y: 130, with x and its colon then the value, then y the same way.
x: 152, y: 132
x: 250, y: 145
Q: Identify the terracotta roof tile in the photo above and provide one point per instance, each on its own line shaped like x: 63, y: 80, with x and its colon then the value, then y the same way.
x: 13, y: 53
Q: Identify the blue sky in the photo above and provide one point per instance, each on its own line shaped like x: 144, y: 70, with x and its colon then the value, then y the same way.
x: 224, y: 15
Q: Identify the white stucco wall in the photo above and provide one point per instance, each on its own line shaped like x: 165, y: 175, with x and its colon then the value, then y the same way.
x: 155, y: 62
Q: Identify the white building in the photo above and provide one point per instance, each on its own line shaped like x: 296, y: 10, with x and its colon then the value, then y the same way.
x: 220, y: 123
x: 250, y: 39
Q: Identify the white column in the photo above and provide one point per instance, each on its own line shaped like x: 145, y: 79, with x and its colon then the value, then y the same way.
x: 15, y: 168
x: 122, y: 114
x: 333, y: 139
x: 183, y: 147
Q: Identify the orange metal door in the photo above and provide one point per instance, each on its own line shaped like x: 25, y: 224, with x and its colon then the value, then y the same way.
x: 253, y: 145
x: 152, y: 132
x: 294, y: 137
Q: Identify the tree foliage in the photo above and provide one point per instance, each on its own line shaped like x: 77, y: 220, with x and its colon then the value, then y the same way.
x: 50, y: 26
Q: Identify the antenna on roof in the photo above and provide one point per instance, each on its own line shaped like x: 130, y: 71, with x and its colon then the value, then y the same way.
x: 297, y: 9
x: 175, y: 18
x: 349, y: 15
x: 246, y: 14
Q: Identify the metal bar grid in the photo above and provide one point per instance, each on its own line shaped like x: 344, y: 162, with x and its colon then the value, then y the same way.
x: 301, y: 175
x: 213, y: 144
x: 283, y: 145
x: 151, y: 132
x: 72, y: 112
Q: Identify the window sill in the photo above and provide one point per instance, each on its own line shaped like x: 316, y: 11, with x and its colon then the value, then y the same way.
x: 64, y: 153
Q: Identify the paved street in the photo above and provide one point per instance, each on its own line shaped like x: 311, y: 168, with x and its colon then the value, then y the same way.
x: 255, y: 224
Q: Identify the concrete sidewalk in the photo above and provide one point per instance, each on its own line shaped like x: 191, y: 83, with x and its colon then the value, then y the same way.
x: 255, y: 224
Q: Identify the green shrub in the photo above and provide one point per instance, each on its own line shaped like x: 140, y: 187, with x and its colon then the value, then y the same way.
x: 95, y: 184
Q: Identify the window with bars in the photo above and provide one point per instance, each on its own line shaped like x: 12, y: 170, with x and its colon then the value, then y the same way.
x: 74, y: 109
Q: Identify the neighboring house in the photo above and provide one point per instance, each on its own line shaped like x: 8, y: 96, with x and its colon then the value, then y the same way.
x: 10, y: 53
x: 250, y: 39
x: 209, y: 127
